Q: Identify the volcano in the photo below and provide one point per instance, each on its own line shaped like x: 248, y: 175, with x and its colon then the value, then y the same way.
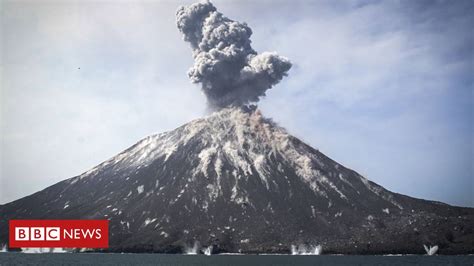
x: 237, y: 182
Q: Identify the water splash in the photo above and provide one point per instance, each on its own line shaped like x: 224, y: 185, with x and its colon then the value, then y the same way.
x: 3, y: 248
x: 431, y: 250
x: 44, y: 250
x: 33, y: 250
x: 207, y: 251
x: 192, y: 250
x: 306, y: 250
x: 59, y: 250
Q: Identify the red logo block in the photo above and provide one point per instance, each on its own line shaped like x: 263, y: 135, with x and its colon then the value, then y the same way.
x: 59, y: 233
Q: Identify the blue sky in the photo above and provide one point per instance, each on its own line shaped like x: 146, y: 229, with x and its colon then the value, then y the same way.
x: 383, y: 87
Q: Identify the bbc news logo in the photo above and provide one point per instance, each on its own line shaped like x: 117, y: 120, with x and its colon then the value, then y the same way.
x: 53, y: 233
x: 59, y: 233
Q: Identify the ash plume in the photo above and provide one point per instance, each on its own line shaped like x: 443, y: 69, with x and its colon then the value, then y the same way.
x: 230, y: 71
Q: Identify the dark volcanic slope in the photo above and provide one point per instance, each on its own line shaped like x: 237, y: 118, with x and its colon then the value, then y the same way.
x: 239, y: 182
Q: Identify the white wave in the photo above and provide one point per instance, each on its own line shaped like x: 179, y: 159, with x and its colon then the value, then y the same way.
x: 192, y: 250
x: 431, y: 250
x: 44, y: 250
x: 207, y: 251
x: 306, y: 249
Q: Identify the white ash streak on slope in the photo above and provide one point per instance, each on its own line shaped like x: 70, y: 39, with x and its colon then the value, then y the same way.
x: 241, y: 138
x: 230, y: 71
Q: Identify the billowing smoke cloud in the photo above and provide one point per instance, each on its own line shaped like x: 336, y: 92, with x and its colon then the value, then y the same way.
x: 231, y: 72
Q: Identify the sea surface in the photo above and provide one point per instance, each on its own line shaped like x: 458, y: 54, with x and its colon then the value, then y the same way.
x: 246, y: 260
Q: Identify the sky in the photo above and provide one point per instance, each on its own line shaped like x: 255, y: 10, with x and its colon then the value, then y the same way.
x: 382, y: 87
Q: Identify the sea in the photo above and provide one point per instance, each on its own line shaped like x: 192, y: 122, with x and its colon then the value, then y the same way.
x: 10, y: 258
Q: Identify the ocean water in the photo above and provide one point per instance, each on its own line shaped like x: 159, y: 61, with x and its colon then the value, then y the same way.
x: 246, y: 260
